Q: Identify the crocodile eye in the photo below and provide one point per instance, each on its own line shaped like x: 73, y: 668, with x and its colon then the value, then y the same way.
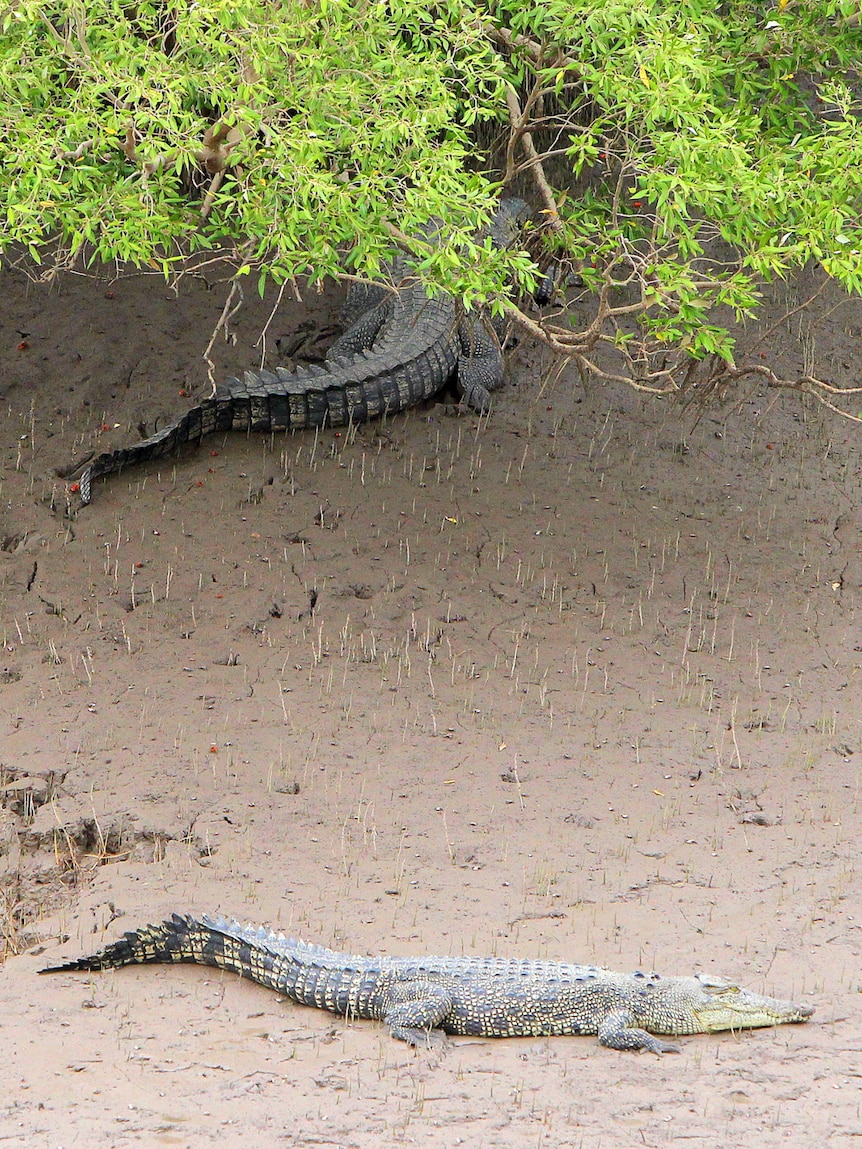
x: 712, y: 984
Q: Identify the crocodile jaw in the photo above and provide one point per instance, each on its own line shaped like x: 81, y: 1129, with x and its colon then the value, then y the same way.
x: 724, y: 1005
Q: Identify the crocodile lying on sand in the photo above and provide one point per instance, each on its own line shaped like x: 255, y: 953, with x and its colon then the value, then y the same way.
x: 487, y: 997
x: 400, y: 347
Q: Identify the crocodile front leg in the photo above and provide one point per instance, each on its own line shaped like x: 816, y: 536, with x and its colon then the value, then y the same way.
x: 617, y: 1031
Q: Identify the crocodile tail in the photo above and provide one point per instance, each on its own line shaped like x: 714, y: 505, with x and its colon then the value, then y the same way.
x: 180, y: 939
x: 215, y: 414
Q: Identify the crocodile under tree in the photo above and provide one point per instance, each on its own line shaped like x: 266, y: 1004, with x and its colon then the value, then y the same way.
x: 400, y: 347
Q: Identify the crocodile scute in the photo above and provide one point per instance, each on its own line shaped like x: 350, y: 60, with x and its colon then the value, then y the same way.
x: 487, y: 997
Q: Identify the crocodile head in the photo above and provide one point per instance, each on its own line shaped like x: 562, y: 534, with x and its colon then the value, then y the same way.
x: 719, y: 1004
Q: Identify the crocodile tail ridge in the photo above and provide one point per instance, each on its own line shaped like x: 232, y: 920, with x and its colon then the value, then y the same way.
x: 169, y: 941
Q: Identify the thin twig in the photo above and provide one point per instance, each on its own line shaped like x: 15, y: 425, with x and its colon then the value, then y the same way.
x: 261, y: 339
x: 227, y: 313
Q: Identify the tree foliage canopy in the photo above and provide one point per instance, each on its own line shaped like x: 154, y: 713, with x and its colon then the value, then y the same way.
x: 684, y: 150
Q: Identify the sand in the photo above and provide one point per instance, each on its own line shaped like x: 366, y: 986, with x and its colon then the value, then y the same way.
x: 582, y: 680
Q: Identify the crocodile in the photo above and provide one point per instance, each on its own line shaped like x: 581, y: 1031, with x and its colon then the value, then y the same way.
x: 488, y: 997
x: 400, y: 346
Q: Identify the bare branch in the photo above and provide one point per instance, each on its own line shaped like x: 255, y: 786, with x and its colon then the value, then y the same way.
x: 77, y: 152
x: 519, y: 121
x: 211, y: 192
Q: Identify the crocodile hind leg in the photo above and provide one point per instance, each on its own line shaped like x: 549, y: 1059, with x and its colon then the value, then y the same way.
x: 480, y: 365
x: 367, y: 309
x: 417, y: 1009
